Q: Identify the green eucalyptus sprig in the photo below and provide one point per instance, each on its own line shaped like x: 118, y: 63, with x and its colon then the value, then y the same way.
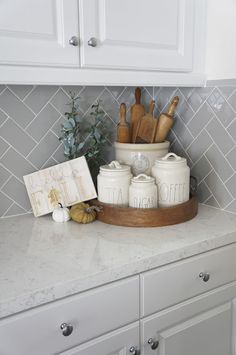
x: 74, y: 144
x: 97, y: 134
x: 70, y: 130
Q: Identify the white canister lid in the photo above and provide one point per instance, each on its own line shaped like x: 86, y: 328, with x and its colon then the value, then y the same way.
x: 115, y: 166
x: 171, y: 159
x: 143, y: 178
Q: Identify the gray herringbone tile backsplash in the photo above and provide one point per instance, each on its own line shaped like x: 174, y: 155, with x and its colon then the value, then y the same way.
x: 204, y: 132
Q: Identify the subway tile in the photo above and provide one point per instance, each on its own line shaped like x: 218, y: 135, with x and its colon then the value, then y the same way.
x: 5, y: 203
x: 2, y: 87
x: 218, y: 189
x: 199, y: 145
x: 40, y: 96
x: 211, y: 201
x: 187, y: 92
x: 231, y: 207
x: 3, y: 117
x: 220, y: 136
x: 88, y: 96
x: 18, y: 165
x: 16, y: 136
x: 3, y: 146
x: 232, y: 130
x: 200, y: 119
x: 231, y: 156
x: 203, y: 192
x: 61, y: 101
x: 72, y: 89
x: 220, y: 106
x: 56, y: 128
x: 181, y: 131
x: 17, y: 192
x: 15, y: 108
x: 21, y: 90
x: 14, y: 210
x: 231, y: 185
x: 43, y: 122
x: 59, y: 155
x: 116, y: 91
x: 219, y: 163
x: 198, y: 96
x: 163, y: 96
x: 232, y: 100
x: 227, y: 91
x: 185, y: 111
x: 177, y: 148
x: 110, y: 105
x: 201, y: 169
x: 44, y: 150
x: 4, y: 175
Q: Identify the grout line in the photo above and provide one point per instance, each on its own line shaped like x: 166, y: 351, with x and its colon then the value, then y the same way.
x: 199, y: 108
x: 20, y: 100
x: 30, y: 92
x: 13, y: 200
x: 230, y: 177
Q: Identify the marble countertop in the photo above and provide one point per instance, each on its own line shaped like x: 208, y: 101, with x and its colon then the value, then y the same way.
x: 41, y: 260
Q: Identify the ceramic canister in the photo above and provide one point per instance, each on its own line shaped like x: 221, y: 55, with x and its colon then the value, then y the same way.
x: 143, y: 192
x: 113, y: 183
x: 172, y: 176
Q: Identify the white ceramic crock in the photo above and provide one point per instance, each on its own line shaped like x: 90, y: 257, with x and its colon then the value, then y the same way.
x: 113, y: 184
x: 172, y: 176
x: 141, y: 157
x: 143, y: 192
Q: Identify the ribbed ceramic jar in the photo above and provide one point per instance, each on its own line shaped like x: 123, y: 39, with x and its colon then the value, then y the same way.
x: 172, y: 176
x: 143, y: 192
x: 113, y: 183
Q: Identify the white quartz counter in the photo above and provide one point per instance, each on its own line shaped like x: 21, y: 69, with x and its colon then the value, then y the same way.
x: 41, y: 260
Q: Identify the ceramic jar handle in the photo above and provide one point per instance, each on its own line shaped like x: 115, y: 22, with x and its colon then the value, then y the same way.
x: 142, y: 175
x: 115, y: 164
x: 171, y: 155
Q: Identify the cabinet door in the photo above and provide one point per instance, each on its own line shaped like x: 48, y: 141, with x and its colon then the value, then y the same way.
x: 115, y: 343
x: 137, y: 34
x: 207, y: 333
x: 37, y: 32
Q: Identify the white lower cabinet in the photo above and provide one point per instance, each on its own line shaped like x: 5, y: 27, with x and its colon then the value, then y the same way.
x: 199, y: 326
x: 124, y: 341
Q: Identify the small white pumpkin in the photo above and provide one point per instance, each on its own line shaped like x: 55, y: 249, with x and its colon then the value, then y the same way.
x: 61, y: 214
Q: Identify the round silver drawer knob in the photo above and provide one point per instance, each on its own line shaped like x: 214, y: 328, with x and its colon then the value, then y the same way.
x: 74, y: 41
x: 133, y: 351
x: 205, y: 276
x: 66, y: 328
x: 153, y: 343
x: 92, y: 42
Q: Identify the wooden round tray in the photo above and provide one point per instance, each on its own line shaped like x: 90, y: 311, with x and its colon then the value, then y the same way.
x: 147, y: 217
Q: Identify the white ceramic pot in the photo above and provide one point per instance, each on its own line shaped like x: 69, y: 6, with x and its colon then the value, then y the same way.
x: 172, y: 176
x: 143, y: 192
x: 113, y: 183
x: 141, y: 157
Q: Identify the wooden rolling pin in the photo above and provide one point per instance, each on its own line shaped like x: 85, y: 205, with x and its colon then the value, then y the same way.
x: 137, y: 112
x: 123, y: 129
x: 166, y: 121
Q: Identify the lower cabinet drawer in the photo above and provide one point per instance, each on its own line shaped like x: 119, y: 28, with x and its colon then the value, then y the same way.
x: 179, y: 281
x: 118, y: 342
x: 92, y: 313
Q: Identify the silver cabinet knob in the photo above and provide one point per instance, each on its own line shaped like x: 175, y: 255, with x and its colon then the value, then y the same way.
x: 74, y: 41
x: 66, y: 328
x: 153, y: 343
x: 133, y: 351
x: 205, y: 276
x: 92, y: 42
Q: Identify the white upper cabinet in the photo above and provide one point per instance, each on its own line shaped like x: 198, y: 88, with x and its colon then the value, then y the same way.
x: 37, y: 32
x: 137, y: 34
x: 119, y: 42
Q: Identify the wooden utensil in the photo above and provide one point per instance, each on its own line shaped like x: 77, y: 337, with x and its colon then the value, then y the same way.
x: 137, y: 112
x: 146, y: 128
x: 123, y: 129
x: 166, y: 121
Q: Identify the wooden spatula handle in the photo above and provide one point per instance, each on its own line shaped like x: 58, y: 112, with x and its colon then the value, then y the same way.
x: 173, y: 105
x: 138, y: 95
x: 122, y: 112
x: 151, y: 107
